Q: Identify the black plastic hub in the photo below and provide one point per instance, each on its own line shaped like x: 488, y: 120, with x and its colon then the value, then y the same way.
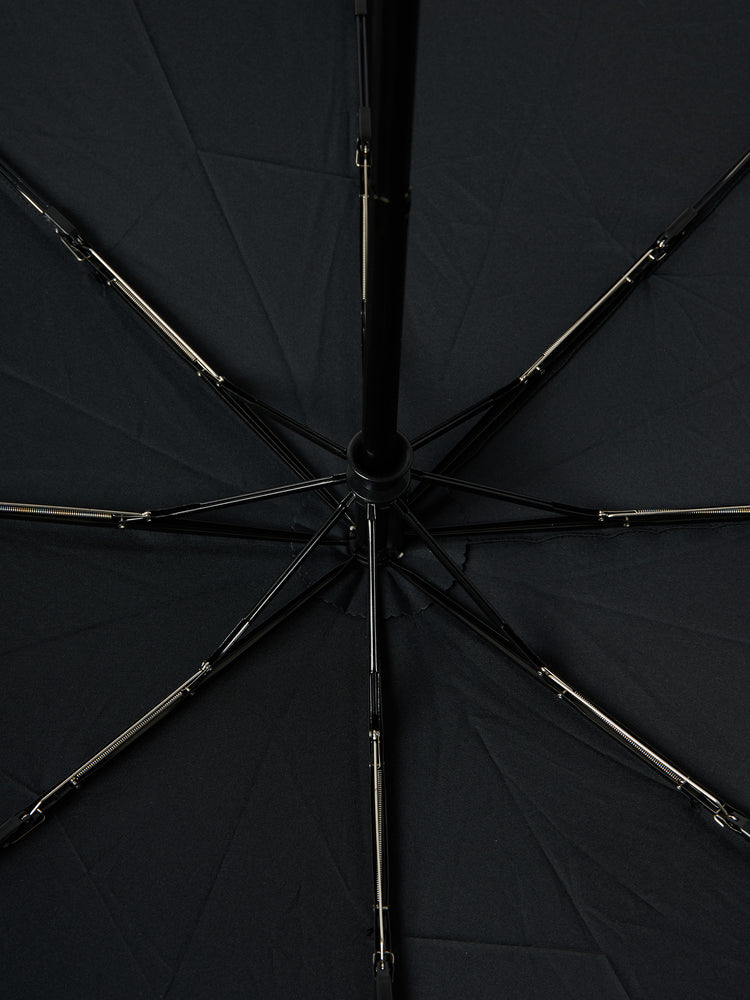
x: 384, y: 485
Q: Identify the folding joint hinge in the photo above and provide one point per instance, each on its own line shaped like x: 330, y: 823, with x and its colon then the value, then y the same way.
x: 362, y: 157
x: 733, y: 820
x: 75, y: 244
x: 18, y: 826
x: 203, y: 371
x: 660, y: 249
x: 534, y: 370
x: 383, y: 963
x: 32, y: 821
x: 134, y: 519
x: 549, y: 678
x: 199, y: 678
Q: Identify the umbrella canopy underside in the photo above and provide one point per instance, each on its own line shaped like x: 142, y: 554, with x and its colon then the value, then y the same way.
x: 209, y: 152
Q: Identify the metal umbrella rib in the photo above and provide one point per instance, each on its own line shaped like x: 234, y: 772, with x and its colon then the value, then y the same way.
x: 509, y: 399
x: 240, y: 639
x: 243, y: 404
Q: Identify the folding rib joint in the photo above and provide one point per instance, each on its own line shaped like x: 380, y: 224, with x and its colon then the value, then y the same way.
x: 251, y: 410
x: 724, y: 814
x: 497, y: 634
x: 22, y: 823
x: 173, y: 519
x: 509, y: 399
x: 586, y: 520
x: 239, y: 631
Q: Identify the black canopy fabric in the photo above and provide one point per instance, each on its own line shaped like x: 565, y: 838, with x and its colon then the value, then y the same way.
x: 208, y: 150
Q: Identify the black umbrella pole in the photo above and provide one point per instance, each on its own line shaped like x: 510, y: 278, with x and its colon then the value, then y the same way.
x: 392, y: 40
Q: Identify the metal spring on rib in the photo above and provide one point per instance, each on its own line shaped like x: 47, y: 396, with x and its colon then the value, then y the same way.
x: 650, y: 757
x: 380, y: 858
x: 16, y: 508
x: 681, y: 781
x: 121, y: 740
x: 697, y: 511
x: 636, y: 747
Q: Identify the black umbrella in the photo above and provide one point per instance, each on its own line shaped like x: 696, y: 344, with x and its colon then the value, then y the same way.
x: 208, y: 156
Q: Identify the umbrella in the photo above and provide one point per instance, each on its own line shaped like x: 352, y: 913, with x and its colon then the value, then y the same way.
x: 209, y: 156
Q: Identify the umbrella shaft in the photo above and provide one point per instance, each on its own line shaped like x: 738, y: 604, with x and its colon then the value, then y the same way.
x: 392, y: 41
x: 383, y: 320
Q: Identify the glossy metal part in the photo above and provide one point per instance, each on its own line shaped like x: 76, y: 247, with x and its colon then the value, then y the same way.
x: 21, y: 824
x: 36, y: 510
x: 145, y: 521
x: 599, y: 306
x: 113, y: 278
x: 673, y: 513
x: 723, y: 813
x: 379, y: 837
x: 244, y: 405
x: 363, y: 162
x: 671, y: 771
x: 509, y: 399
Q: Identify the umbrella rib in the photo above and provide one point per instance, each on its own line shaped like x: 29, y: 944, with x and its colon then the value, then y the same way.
x: 501, y: 406
x: 601, y: 519
x: 230, y: 388
x: 245, y: 498
x: 463, y: 581
x: 235, y: 636
x: 185, y: 526
x: 461, y: 485
x: 169, y: 518
x: 15, y: 828
x: 274, y: 442
x: 99, y: 517
x: 237, y: 399
x: 445, y: 426
x: 724, y: 814
x: 383, y: 956
x: 468, y: 617
x: 200, y: 159
x: 675, y: 515
x: 243, y: 404
x: 489, y: 528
